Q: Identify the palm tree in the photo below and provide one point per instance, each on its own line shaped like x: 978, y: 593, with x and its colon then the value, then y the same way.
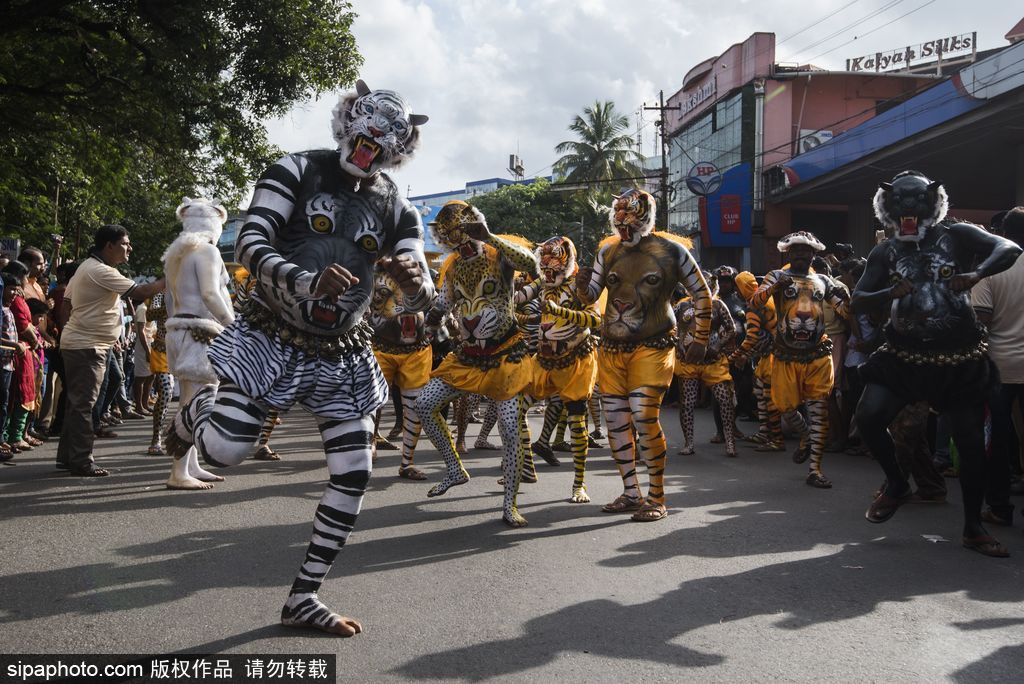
x: 603, y: 151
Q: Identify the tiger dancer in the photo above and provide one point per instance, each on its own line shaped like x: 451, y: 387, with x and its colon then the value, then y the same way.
x: 476, y: 283
x: 317, y: 223
x: 640, y: 269
x: 566, y: 361
x: 402, y: 349
x: 802, y: 370
x: 756, y: 349
x: 712, y: 371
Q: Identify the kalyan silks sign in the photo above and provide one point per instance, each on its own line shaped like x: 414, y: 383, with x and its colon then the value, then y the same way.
x: 904, y: 58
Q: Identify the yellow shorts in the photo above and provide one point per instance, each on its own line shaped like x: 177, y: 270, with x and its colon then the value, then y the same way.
x: 572, y: 383
x: 763, y: 370
x: 618, y: 373
x: 411, y: 370
x: 501, y: 383
x: 794, y: 382
x: 713, y: 373
x: 158, y: 362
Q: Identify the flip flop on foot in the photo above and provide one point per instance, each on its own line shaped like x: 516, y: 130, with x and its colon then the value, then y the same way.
x: 650, y: 512
x: 411, y: 473
x: 265, y: 453
x: 818, y: 480
x: 986, y: 545
x: 624, y: 504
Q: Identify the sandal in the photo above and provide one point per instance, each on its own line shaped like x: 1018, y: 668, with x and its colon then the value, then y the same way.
x: 990, y: 516
x: 986, y: 545
x: 94, y: 471
x: 33, y: 441
x: 771, y: 445
x: 265, y: 453
x: 411, y: 473
x: 156, y: 451
x: 104, y: 433
x: 651, y: 512
x: 884, y: 507
x: 818, y: 480
x: 624, y: 504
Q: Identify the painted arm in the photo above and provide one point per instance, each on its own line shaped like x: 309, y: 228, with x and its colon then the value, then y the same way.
x: 443, y: 304
x: 999, y: 253
x: 766, y: 290
x: 728, y: 331
x: 590, y: 281
x: 693, y: 280
x: 873, y: 290
x: 583, y: 318
x: 271, y: 207
x: 409, y: 265
x: 838, y: 298
x: 525, y: 294
x: 210, y: 271
x: 521, y: 258
x: 753, y: 334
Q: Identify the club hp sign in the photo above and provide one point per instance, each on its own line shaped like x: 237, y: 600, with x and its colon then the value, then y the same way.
x: 704, y: 179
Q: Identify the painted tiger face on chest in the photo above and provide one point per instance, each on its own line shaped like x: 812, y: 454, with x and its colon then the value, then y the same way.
x: 484, y: 309
x: 801, y: 315
x: 933, y: 310
x: 388, y: 316
x: 557, y: 337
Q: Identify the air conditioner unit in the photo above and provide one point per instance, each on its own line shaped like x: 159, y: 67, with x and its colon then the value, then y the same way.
x: 811, y: 138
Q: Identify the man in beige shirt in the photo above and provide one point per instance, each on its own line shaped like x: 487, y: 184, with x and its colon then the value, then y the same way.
x: 87, y: 337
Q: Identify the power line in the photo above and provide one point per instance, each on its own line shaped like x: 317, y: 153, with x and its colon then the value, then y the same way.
x: 870, y: 15
x: 867, y: 33
x: 810, y: 26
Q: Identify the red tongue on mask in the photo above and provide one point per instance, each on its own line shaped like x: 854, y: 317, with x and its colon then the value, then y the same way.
x: 908, y: 225
x: 363, y: 154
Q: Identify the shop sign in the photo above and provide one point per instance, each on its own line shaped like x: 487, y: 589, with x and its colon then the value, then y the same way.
x: 731, y: 220
x: 699, y: 96
x: 703, y: 179
x: 901, y: 58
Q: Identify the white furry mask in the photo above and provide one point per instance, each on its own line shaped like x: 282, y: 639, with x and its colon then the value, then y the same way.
x: 202, y: 216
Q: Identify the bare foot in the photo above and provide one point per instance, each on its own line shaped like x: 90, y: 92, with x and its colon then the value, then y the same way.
x: 188, y: 484
x: 579, y: 495
x: 513, y: 519
x: 449, y: 481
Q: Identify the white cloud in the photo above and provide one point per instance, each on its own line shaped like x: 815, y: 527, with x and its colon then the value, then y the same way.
x: 497, y: 77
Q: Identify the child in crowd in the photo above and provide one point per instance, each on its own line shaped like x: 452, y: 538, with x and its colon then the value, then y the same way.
x: 39, y: 309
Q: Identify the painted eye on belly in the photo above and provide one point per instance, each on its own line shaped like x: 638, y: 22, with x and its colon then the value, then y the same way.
x: 946, y: 271
x: 368, y: 243
x: 321, y: 223
x: 489, y: 287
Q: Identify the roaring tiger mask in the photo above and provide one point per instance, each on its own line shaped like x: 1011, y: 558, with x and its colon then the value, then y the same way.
x: 632, y: 216
x: 640, y: 281
x: 374, y: 129
x: 910, y: 205
x: 557, y: 257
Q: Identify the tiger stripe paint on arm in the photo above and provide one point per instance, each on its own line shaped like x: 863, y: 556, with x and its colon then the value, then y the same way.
x: 765, y: 292
x: 693, y: 280
x: 581, y: 318
x: 753, y: 334
x: 272, y: 204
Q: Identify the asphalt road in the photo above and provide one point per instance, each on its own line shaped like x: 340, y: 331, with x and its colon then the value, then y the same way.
x: 752, y: 577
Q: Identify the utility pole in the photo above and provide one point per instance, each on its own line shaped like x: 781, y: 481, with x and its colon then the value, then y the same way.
x: 660, y: 123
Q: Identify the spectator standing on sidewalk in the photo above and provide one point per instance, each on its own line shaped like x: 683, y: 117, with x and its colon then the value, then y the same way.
x: 93, y: 326
x: 997, y: 303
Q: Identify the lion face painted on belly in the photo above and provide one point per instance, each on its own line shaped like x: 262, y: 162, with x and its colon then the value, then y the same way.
x: 640, y: 280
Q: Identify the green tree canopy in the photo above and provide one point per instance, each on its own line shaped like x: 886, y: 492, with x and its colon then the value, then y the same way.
x: 537, y: 213
x: 602, y: 153
x: 117, y: 108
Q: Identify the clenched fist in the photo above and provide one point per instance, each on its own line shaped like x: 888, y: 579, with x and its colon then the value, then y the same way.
x: 901, y: 288
x: 583, y: 278
x: 333, y: 282
x: 405, y: 271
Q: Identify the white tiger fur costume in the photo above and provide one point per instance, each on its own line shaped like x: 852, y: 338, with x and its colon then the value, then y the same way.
x: 198, y: 308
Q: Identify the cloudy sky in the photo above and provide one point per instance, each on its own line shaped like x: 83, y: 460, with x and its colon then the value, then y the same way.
x: 504, y: 76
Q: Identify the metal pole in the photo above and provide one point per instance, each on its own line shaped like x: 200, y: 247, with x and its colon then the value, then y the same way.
x: 663, y: 223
